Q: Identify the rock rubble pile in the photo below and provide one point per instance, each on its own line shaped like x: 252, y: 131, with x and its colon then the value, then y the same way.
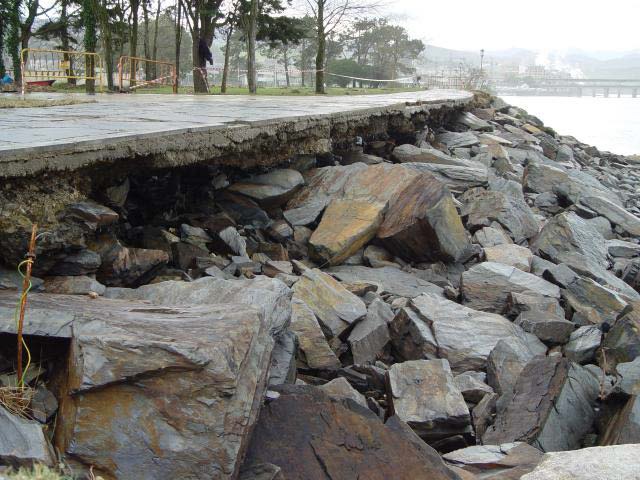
x: 462, y: 306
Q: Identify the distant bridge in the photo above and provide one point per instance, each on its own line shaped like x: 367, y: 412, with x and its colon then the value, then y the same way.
x: 580, y: 86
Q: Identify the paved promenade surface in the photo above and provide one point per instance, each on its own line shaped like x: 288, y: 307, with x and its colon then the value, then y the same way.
x: 114, y: 118
x: 121, y: 115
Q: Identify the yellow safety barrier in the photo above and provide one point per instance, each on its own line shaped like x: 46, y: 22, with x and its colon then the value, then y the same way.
x: 135, y: 72
x: 43, y: 65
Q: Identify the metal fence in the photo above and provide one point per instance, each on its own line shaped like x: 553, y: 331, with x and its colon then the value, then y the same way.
x: 40, y: 65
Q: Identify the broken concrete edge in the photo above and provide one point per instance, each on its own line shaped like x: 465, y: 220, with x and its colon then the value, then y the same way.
x: 238, y: 144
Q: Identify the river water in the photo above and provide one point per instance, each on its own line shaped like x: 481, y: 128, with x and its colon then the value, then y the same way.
x: 611, y: 124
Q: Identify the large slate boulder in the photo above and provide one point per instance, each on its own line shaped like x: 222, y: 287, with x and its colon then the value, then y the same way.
x: 612, y: 212
x: 346, y: 226
x: 457, y: 178
x: 311, y: 437
x: 335, y: 307
x: 466, y: 337
x: 23, y: 442
x: 569, y: 239
x: 483, y: 207
x: 314, y: 350
x: 488, y: 285
x: 371, y: 335
x: 500, y: 462
x: 507, y: 360
x: 422, y: 223
x: 457, y: 140
x: 410, y: 153
x: 142, y: 372
x: 624, y: 425
x: 615, y: 462
x: 271, y: 189
x: 622, y: 343
x: 322, y: 185
x: 424, y: 395
x: 551, y: 407
x: 390, y: 280
x: 127, y: 267
x: 593, y: 303
x: 270, y: 295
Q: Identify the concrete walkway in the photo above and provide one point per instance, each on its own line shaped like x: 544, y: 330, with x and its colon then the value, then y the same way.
x: 30, y: 132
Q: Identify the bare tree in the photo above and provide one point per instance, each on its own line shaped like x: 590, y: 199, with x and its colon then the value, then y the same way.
x: 202, y: 17
x: 329, y: 16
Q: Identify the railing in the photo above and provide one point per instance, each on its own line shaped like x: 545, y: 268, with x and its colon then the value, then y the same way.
x: 138, y: 72
x: 41, y: 64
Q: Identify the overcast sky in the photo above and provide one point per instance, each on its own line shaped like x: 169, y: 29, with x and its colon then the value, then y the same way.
x: 606, y: 25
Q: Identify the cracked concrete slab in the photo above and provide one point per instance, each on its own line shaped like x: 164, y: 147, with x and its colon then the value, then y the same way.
x: 166, y: 131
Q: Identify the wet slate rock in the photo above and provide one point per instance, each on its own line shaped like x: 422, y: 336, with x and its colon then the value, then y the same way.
x: 623, y: 426
x: 487, y: 286
x: 315, y: 353
x: 547, y: 327
x: 472, y: 386
x: 512, y: 255
x: 423, y: 394
x: 92, y: 213
x: 411, y: 154
x: 346, y: 227
x: 271, y: 189
x: 390, y: 280
x: 304, y: 433
x: 551, y: 407
x: 23, y: 442
x: 483, y: 207
x: 450, y: 324
x: 340, y: 388
x: 505, y: 462
x: 81, y: 285
x: 167, y: 362
x: 593, y: 303
x: 457, y: 178
x: 411, y: 337
x: 79, y: 263
x: 422, y: 223
x: 457, y: 140
x: 472, y: 122
x: 371, y: 335
x: 622, y: 342
x: 569, y: 239
x: 614, y: 213
x: 488, y: 237
x: 507, y: 360
x: 583, y: 343
x: 334, y: 306
x: 589, y: 463
x: 127, y: 267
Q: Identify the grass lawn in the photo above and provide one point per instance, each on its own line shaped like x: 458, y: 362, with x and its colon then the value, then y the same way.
x: 14, y: 101
x: 295, y: 91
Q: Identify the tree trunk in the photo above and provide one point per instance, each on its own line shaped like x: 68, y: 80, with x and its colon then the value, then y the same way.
x: 178, y: 41
x: 145, y: 40
x: 225, y: 70
x: 154, y: 52
x: 200, y: 64
x: 2, y: 31
x: 64, y: 38
x: 13, y: 40
x: 107, y: 40
x: 286, y: 66
x: 133, y: 41
x: 89, y: 11
x: 322, y: 47
x: 251, y: 48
